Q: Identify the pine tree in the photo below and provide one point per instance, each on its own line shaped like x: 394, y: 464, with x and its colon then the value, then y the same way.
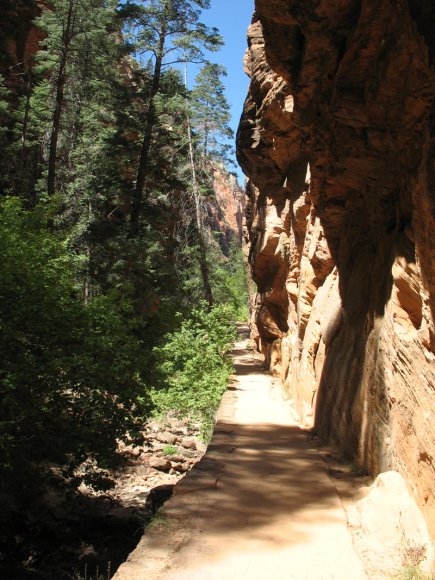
x: 169, y: 32
x: 207, y: 118
x: 194, y: 186
x: 79, y: 42
x: 211, y: 111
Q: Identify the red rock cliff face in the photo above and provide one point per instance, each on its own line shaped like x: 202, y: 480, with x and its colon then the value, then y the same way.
x: 226, y: 209
x: 338, y: 140
x: 19, y: 39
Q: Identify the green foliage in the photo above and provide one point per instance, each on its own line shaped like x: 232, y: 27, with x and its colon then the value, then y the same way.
x: 71, y: 373
x: 175, y: 24
x: 169, y: 450
x: 193, y: 371
x: 77, y: 68
x: 228, y: 278
x: 230, y: 282
x: 5, y: 118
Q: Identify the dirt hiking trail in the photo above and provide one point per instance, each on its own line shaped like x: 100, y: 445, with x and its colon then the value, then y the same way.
x: 259, y: 505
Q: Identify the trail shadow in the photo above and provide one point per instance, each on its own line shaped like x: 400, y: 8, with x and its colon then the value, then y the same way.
x: 257, y: 482
x: 252, y: 476
x: 246, y: 369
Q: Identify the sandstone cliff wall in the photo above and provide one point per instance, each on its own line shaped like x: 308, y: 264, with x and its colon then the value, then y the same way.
x: 338, y: 140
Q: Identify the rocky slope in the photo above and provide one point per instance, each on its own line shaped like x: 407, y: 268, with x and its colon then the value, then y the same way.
x: 71, y: 532
x: 338, y: 140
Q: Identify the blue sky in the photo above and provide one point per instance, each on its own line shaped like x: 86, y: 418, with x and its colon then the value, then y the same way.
x: 232, y: 18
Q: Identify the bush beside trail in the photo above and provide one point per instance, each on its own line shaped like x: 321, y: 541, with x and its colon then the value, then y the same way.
x: 192, y: 366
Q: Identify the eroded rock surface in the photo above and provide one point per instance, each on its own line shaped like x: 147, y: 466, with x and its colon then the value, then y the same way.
x: 389, y: 531
x: 338, y: 140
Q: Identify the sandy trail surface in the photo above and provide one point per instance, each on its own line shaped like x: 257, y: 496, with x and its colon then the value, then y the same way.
x: 259, y: 505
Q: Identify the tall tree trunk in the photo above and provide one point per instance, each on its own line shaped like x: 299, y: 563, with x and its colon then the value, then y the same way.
x: 205, y: 272
x: 148, y: 132
x: 205, y: 141
x: 27, y: 179
x: 26, y: 113
x: 206, y: 130
x: 88, y: 249
x: 60, y: 89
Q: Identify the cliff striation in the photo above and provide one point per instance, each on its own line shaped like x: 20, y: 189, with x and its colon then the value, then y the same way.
x: 338, y: 140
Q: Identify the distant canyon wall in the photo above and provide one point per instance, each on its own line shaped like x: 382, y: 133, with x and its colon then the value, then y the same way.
x: 338, y: 140
x: 226, y: 207
x: 19, y: 40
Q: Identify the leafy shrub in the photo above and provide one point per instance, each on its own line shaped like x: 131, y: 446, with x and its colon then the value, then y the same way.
x: 169, y: 450
x: 70, y: 376
x: 193, y: 371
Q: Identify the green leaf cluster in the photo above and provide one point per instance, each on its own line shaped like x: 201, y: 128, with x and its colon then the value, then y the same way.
x: 193, y: 371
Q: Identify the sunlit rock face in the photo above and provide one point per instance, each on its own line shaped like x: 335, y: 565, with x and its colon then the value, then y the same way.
x: 338, y: 140
x: 226, y: 207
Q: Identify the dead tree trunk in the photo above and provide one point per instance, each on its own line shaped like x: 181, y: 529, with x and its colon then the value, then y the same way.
x: 205, y: 272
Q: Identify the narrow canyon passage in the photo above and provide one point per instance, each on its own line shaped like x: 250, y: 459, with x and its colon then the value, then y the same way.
x: 258, y: 505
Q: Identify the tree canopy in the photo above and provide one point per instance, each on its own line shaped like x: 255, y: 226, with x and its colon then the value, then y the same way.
x: 104, y: 234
